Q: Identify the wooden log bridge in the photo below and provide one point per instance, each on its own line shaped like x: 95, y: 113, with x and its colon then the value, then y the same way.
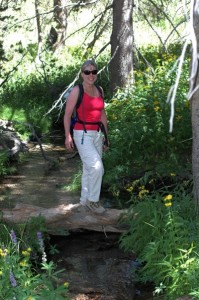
x: 71, y: 217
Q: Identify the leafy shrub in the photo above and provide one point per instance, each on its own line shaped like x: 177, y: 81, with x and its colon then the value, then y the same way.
x: 5, y: 166
x: 139, y: 125
x: 163, y: 233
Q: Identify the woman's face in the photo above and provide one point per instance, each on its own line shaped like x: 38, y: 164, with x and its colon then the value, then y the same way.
x: 89, y: 74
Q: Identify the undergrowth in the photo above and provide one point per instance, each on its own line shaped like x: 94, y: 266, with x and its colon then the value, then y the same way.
x: 163, y: 232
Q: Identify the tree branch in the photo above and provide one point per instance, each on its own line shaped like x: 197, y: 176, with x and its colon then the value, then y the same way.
x: 13, y: 70
x: 166, y: 40
x: 145, y: 17
x: 52, y: 10
x: 95, y: 19
x: 166, y: 16
x: 173, y: 90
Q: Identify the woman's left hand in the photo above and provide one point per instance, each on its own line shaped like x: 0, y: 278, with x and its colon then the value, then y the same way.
x: 105, y: 147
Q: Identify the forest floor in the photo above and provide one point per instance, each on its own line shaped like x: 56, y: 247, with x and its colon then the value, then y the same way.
x: 39, y: 182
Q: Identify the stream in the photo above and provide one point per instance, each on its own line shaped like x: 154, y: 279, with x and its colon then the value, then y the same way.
x: 96, y: 268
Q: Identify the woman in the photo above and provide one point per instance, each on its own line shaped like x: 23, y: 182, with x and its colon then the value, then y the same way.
x: 87, y: 134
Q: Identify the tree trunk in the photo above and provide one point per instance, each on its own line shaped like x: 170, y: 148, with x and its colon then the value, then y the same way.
x: 60, y: 16
x: 121, y: 65
x: 195, y: 115
x: 39, y: 30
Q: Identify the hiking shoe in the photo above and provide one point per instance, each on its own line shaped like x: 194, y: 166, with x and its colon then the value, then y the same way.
x: 95, y: 207
x: 83, y: 203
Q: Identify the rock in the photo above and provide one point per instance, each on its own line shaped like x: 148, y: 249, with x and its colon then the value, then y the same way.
x: 9, y: 140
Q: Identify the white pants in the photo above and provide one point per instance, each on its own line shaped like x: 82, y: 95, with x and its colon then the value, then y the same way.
x: 89, y: 146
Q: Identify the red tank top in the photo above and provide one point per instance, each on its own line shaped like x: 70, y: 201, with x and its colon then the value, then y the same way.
x: 89, y: 110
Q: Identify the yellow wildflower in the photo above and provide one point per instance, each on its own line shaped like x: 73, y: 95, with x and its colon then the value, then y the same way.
x: 156, y: 102
x: 142, y: 192
x: 130, y: 189
x: 172, y: 174
x: 25, y: 253
x: 156, y: 108
x: 66, y: 284
x: 3, y: 252
x: 168, y: 197
x: 142, y: 187
x: 168, y: 204
x: 23, y: 263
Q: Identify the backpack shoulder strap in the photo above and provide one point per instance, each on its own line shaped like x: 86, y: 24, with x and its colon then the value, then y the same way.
x: 80, y: 96
x: 100, y: 90
x: 81, y: 93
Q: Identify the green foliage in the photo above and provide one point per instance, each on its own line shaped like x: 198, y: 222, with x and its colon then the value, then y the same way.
x: 3, y: 162
x: 31, y: 93
x: 5, y: 166
x: 155, y: 10
x: 139, y: 123
x: 22, y: 276
x: 164, y: 235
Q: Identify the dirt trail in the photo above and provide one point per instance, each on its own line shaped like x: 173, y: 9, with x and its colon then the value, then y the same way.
x: 38, y: 184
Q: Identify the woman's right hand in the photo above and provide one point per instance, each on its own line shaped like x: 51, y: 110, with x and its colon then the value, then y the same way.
x: 69, y: 143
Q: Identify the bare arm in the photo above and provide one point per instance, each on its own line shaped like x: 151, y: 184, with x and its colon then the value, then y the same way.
x: 70, y: 105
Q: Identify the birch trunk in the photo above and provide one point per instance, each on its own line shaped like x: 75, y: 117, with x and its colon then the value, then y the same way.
x: 195, y: 110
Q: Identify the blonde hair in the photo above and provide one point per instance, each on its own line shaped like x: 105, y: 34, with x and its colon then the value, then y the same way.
x: 88, y: 62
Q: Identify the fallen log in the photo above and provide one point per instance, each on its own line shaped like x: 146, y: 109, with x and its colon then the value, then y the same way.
x: 71, y: 217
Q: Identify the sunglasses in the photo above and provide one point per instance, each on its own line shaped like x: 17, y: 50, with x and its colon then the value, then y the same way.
x: 87, y: 72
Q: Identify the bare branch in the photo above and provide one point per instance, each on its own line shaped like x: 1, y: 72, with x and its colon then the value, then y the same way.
x: 172, y: 31
x: 98, y: 28
x: 52, y: 10
x: 144, y: 59
x: 166, y: 16
x: 101, y: 50
x: 39, y: 142
x: 145, y: 17
x: 173, y: 90
x: 95, y: 19
x: 13, y: 70
x: 59, y: 103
